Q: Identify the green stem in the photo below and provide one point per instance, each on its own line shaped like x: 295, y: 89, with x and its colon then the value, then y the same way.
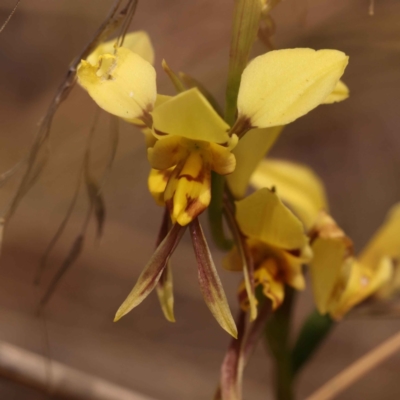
x: 314, y: 331
x: 215, y: 212
x: 277, y: 336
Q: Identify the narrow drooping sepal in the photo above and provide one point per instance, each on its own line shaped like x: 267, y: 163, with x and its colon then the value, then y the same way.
x: 151, y: 274
x: 210, y: 283
x: 165, y: 291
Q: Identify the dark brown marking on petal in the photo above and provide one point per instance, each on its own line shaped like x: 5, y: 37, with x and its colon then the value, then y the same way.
x: 160, y: 133
x: 295, y: 252
x: 241, y: 127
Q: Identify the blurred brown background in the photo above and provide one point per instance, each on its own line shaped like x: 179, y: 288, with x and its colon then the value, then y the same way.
x: 354, y: 146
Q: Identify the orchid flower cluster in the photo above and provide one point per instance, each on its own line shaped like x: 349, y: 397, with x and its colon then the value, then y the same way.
x: 284, y: 223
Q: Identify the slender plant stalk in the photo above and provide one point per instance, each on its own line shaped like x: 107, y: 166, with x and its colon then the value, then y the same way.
x: 314, y: 331
x: 215, y: 211
x: 277, y: 337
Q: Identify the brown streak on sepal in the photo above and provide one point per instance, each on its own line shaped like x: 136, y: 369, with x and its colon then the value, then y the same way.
x: 151, y: 274
x: 165, y: 285
x: 241, y: 127
x: 210, y: 284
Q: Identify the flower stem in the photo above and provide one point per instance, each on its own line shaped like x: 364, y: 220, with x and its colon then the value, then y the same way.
x: 215, y: 212
x: 277, y: 337
x: 314, y: 331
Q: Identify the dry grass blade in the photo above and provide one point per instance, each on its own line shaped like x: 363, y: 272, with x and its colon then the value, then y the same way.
x: 1, y: 233
x: 73, y: 254
x: 210, y: 284
x: 59, y: 232
x: 95, y: 197
x: 40, y: 145
x: 5, y: 176
x: 357, y: 370
x: 10, y: 16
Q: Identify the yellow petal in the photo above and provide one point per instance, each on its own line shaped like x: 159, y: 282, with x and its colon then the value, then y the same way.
x: 273, y: 287
x: 325, y: 268
x: 386, y: 242
x: 123, y: 84
x: 223, y: 162
x: 340, y: 93
x: 263, y: 216
x: 296, y: 184
x: 189, y: 115
x: 283, y: 85
x: 391, y: 287
x: 166, y: 152
x: 249, y: 151
x: 139, y: 42
x: 362, y: 282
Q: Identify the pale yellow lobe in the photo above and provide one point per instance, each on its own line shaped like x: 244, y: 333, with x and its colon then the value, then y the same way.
x: 249, y: 151
x: 123, y: 84
x: 386, y: 241
x: 263, y: 216
x: 188, y: 192
x: 138, y: 42
x: 223, y: 162
x: 340, y: 92
x: 361, y: 283
x: 157, y: 182
x: 191, y: 116
x: 325, y: 268
x: 283, y: 85
x: 273, y: 288
x: 296, y: 184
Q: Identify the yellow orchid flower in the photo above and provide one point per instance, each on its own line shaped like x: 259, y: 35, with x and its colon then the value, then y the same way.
x: 193, y: 140
x: 339, y: 279
x: 277, y: 243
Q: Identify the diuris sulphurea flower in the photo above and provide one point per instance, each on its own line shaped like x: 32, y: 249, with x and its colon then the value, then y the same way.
x: 277, y: 243
x: 340, y: 280
x: 190, y: 140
